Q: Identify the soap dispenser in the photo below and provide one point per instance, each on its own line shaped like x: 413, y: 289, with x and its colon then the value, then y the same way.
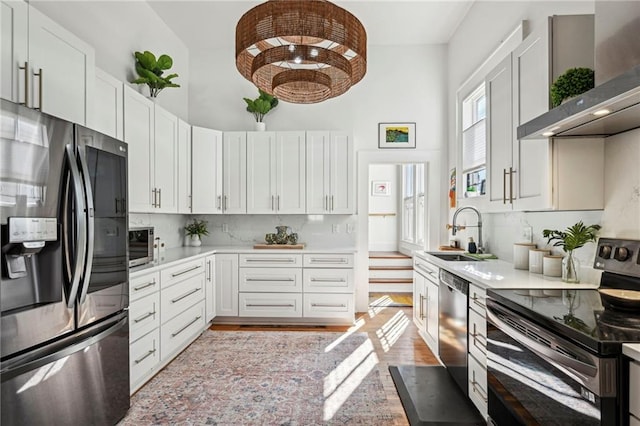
x: 472, y: 248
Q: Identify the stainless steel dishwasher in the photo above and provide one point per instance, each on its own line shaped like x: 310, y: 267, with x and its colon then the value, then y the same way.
x: 452, y: 331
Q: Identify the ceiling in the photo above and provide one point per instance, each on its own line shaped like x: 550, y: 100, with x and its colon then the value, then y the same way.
x: 205, y: 24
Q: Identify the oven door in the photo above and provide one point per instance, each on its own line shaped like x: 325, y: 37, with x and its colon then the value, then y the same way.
x: 537, y: 378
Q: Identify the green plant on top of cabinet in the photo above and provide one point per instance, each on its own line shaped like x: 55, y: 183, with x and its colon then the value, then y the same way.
x: 206, y: 170
x: 44, y: 66
x: 150, y: 72
x: 152, y: 134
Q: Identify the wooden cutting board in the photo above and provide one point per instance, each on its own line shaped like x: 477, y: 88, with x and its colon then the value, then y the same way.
x: 448, y: 248
x: 279, y: 246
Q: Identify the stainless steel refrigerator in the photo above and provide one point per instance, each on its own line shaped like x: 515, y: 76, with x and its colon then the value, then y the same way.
x: 64, y: 291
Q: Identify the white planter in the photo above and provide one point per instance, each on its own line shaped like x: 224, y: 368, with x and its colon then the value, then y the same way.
x: 261, y: 126
x: 195, y: 241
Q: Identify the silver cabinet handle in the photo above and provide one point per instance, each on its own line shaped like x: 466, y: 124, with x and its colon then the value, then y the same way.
x: 186, y: 326
x: 190, y: 202
x: 225, y: 203
x: 149, y: 284
x: 153, y: 203
x: 479, y: 340
x: 159, y: 198
x: 209, y: 270
x: 328, y: 280
x: 328, y: 305
x: 179, y: 298
x: 326, y: 202
x: 278, y: 202
x: 177, y: 274
x: 326, y: 260
x: 425, y: 270
x: 288, y: 260
x: 422, y: 298
x: 478, y: 389
x: 219, y: 203
x: 145, y: 356
x: 476, y: 301
x: 270, y: 280
x: 26, y: 84
x: 504, y: 186
x: 144, y: 317
x: 272, y: 202
x: 258, y: 305
x: 41, y: 77
x: 332, y: 203
x: 511, y: 172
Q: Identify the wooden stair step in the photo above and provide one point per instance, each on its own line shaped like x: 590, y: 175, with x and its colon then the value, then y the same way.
x: 390, y: 268
x: 390, y: 280
x: 387, y: 255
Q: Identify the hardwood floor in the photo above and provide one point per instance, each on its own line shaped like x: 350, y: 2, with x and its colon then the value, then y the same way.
x: 376, y: 298
x: 394, y: 337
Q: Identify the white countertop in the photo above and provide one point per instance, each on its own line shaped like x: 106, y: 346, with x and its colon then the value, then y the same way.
x: 632, y: 350
x: 496, y: 273
x: 178, y: 254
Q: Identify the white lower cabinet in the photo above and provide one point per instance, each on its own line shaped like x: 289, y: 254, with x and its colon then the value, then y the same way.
x: 285, y: 305
x: 327, y: 305
x: 179, y: 331
x: 478, y: 385
x: 145, y: 316
x: 210, y: 287
x: 226, y: 285
x: 477, y: 343
x: 426, y: 301
x: 144, y: 359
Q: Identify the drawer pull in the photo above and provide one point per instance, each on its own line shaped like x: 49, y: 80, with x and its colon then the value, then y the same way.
x: 179, y: 298
x: 270, y: 280
x: 258, y: 305
x: 325, y: 260
x: 476, y: 300
x: 425, y: 270
x: 328, y: 305
x: 149, y: 284
x: 145, y: 356
x: 186, y: 326
x: 177, y: 274
x: 144, y: 317
x: 478, y: 389
x: 328, y: 280
x: 277, y: 260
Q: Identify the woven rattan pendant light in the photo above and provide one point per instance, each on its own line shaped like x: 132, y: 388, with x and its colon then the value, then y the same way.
x: 302, y: 51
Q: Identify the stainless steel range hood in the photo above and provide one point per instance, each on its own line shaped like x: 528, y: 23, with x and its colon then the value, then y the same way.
x: 586, y: 115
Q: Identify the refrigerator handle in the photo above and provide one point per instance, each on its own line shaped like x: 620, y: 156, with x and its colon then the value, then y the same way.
x: 81, y: 241
x: 86, y: 276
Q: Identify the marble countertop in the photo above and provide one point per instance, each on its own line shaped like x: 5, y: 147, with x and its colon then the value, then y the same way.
x: 632, y: 350
x: 496, y: 273
x: 178, y: 254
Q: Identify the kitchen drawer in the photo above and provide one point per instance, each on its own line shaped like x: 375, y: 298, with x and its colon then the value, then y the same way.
x: 144, y: 357
x: 144, y: 285
x: 283, y: 280
x: 328, y: 280
x: 478, y: 337
x: 328, y: 260
x: 478, y: 299
x: 275, y: 260
x: 634, y: 388
x: 177, y: 298
x: 144, y: 316
x: 478, y: 385
x: 184, y: 270
x: 322, y: 305
x: 287, y: 305
x: 181, y: 330
x: 426, y: 269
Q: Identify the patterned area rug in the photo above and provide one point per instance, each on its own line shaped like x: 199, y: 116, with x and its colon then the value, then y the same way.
x: 267, y: 378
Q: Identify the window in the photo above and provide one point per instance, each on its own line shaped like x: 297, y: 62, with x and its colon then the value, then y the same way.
x: 474, y: 145
x: 413, y: 204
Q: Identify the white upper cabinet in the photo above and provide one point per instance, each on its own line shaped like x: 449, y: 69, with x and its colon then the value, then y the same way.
x: 330, y: 173
x: 151, y: 133
x: 206, y: 170
x: 234, y: 173
x: 184, y: 167
x: 47, y: 67
x: 276, y: 172
x: 108, y: 114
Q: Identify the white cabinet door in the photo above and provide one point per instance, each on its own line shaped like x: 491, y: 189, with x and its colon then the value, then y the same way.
x: 341, y: 172
x: 431, y: 296
x: 234, y: 169
x: 317, y: 176
x: 226, y: 278
x: 62, y: 70
x: 210, y: 287
x: 184, y: 167
x: 108, y: 114
x: 14, y: 49
x: 499, y: 127
x: 139, y: 135
x: 206, y: 170
x: 261, y: 172
x: 166, y: 160
x: 290, y: 157
x: 419, y: 300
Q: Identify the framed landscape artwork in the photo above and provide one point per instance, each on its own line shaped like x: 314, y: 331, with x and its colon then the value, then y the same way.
x: 397, y: 135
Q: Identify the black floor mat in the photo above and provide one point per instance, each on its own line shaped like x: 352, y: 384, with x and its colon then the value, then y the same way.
x: 431, y: 397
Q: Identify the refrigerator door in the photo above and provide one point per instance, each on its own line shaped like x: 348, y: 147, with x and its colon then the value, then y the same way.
x: 105, y: 282
x: 85, y: 382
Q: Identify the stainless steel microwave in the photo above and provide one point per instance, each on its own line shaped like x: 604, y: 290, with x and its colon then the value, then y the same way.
x: 140, y: 246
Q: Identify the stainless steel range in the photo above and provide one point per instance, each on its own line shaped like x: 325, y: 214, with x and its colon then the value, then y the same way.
x: 556, y: 358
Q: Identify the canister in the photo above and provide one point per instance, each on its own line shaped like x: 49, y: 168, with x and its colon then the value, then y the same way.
x: 521, y: 255
x: 536, y: 257
x: 552, y: 265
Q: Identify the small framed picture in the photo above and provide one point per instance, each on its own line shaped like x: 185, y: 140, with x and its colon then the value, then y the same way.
x: 380, y: 188
x: 396, y: 135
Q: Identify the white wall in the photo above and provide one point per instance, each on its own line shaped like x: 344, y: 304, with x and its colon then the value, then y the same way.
x: 383, y: 230
x: 117, y: 29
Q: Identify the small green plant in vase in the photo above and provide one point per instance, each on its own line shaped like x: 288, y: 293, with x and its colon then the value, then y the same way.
x: 570, y: 239
x: 260, y: 107
x: 195, y: 231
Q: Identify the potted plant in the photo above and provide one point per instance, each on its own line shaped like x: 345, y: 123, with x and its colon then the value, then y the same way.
x: 260, y: 107
x: 150, y: 72
x: 195, y: 231
x: 573, y: 82
x: 572, y: 238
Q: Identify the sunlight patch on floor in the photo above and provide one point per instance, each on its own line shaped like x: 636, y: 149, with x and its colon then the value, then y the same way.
x: 379, y: 305
x: 359, y: 323
x: 346, y: 377
x: 391, y: 331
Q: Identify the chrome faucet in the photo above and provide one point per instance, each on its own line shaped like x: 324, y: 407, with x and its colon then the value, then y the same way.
x: 455, y: 228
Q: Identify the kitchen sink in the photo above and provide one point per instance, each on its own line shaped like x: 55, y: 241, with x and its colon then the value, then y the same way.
x: 451, y: 257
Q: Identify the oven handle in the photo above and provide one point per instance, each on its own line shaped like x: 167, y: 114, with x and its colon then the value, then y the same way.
x: 579, y: 368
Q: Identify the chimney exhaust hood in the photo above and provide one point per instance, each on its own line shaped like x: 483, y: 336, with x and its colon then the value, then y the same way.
x: 606, y: 110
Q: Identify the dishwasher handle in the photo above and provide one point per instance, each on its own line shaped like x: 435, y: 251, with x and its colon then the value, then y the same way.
x: 454, y: 282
